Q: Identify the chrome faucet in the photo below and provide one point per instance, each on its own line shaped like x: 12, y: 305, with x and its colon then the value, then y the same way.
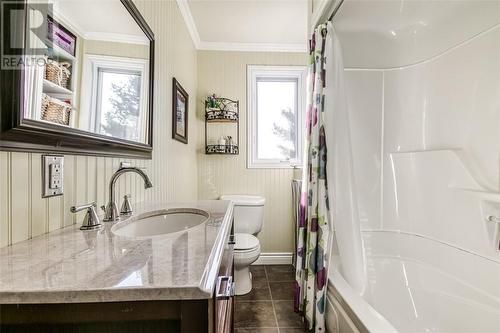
x: 91, y: 220
x: 111, y: 211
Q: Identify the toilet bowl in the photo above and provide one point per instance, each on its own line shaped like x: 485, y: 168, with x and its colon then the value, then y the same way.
x: 248, y: 216
x: 246, y: 252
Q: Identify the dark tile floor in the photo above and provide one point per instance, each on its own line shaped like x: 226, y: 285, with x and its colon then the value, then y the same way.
x: 268, y: 308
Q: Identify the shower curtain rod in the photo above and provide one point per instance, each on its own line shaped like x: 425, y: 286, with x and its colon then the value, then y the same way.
x: 335, y: 10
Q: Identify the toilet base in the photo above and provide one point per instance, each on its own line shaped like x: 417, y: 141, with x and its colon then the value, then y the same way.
x: 242, y: 281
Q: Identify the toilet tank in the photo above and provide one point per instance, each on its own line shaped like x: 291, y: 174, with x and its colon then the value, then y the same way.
x: 248, y: 213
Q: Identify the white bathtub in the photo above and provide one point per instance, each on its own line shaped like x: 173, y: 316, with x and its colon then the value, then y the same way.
x: 412, y: 288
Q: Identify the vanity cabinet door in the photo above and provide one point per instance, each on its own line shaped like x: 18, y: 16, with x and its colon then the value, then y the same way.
x: 224, y: 293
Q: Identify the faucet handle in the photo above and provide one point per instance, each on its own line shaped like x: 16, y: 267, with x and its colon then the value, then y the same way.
x: 126, y: 208
x: 91, y: 220
x: 76, y: 209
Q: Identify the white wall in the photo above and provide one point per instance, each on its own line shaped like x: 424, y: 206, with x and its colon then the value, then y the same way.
x: 365, y: 95
x: 173, y: 171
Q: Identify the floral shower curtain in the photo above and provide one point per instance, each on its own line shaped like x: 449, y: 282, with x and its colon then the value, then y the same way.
x: 313, y: 231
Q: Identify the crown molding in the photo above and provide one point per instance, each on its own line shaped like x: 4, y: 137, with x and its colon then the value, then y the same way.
x: 230, y: 46
x: 117, y: 38
x: 253, y: 47
x: 99, y: 36
x: 189, y: 20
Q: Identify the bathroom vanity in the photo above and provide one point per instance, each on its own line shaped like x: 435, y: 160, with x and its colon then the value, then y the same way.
x: 120, y: 278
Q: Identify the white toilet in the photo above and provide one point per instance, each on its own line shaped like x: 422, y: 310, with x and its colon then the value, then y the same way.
x: 248, y: 218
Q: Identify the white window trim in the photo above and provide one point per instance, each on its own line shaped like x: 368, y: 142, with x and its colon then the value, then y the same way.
x: 295, y: 72
x: 91, y: 65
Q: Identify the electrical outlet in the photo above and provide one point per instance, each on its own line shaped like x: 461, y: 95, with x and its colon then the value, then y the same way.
x: 53, y: 171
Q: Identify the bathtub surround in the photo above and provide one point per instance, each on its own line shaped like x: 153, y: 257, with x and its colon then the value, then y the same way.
x: 224, y: 73
x: 424, y: 130
x: 23, y: 212
x: 434, y: 121
x: 313, y: 234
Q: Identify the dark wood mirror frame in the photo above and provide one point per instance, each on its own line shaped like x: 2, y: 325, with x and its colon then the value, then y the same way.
x: 20, y: 134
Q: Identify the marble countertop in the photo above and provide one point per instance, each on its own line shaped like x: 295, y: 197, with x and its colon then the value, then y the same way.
x: 72, y: 266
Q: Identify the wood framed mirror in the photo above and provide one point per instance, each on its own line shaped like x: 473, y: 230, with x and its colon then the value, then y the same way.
x: 77, y: 77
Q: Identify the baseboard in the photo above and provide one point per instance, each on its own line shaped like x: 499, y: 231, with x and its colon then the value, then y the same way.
x: 274, y: 258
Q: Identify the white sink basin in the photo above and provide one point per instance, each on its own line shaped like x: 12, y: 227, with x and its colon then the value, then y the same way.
x: 161, y: 222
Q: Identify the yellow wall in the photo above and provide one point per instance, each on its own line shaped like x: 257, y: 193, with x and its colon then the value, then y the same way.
x: 178, y: 171
x: 23, y: 212
x: 115, y: 49
x: 224, y: 73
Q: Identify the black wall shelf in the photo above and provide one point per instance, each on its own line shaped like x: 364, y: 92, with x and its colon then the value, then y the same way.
x: 222, y: 111
x: 222, y: 149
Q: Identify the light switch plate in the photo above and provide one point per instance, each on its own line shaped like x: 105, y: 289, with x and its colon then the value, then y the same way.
x: 53, y: 175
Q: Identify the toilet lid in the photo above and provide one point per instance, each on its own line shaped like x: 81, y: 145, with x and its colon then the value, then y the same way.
x: 245, y: 242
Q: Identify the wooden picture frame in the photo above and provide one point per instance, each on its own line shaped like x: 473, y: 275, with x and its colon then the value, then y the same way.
x: 180, y: 112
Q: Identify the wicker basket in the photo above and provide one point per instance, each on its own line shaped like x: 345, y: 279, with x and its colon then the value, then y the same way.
x: 55, y: 110
x: 58, y: 72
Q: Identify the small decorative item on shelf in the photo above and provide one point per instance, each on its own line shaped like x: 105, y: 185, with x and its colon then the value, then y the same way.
x: 212, y: 102
x: 222, y: 111
x: 58, y: 72
x: 55, y: 110
x: 59, y: 35
x: 222, y: 149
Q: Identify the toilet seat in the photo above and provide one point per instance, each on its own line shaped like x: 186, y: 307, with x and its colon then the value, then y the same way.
x: 248, y: 255
x: 245, y: 242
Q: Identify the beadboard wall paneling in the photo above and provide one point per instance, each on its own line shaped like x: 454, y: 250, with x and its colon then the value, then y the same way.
x: 24, y: 213
x: 224, y: 73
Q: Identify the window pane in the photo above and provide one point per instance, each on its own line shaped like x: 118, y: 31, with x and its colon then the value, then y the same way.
x: 119, y: 104
x: 276, y: 119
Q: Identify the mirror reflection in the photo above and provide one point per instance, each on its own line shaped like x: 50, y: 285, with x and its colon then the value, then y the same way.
x: 93, y: 74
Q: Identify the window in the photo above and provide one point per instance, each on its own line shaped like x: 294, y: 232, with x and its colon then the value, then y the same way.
x: 118, y: 100
x: 276, y: 104
x: 114, y: 99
